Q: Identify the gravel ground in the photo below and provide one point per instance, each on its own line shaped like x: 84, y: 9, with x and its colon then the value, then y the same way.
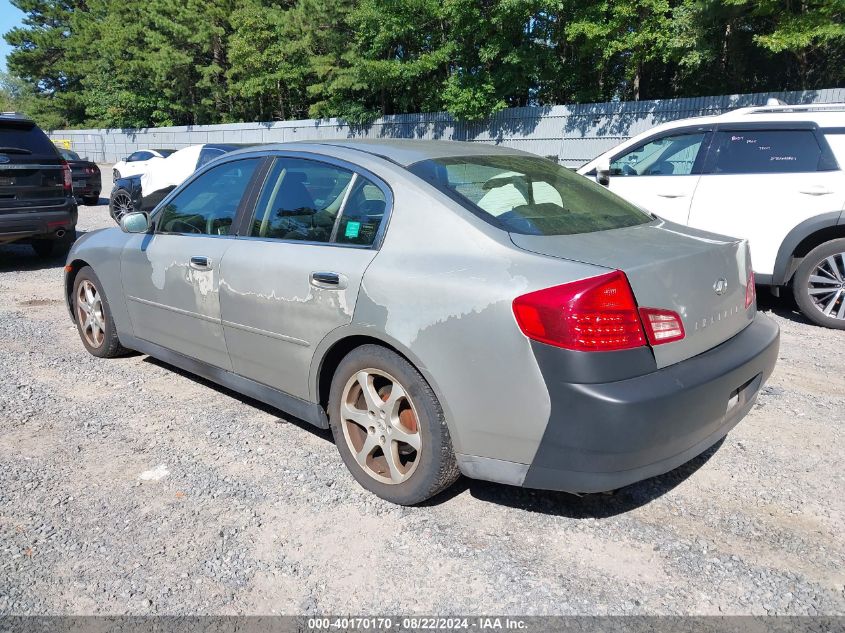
x: 246, y: 512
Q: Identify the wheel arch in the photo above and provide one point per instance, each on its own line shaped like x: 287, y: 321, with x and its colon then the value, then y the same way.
x: 339, y: 343
x: 71, y: 271
x: 801, y: 240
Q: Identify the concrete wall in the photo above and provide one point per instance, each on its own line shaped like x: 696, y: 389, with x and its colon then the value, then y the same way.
x: 574, y: 134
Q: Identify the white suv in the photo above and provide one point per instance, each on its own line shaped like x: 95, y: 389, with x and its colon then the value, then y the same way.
x: 771, y: 174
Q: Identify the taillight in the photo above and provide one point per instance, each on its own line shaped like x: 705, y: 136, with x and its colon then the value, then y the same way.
x: 67, y: 179
x: 750, y: 290
x: 595, y: 314
x: 662, y: 326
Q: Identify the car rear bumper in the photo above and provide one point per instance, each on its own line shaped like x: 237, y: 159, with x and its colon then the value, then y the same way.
x: 606, y: 435
x: 45, y: 221
x: 602, y: 436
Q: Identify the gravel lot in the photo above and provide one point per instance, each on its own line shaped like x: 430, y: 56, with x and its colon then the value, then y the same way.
x: 255, y: 514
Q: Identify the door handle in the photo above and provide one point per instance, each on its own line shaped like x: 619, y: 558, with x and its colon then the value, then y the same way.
x: 671, y: 195
x: 816, y: 191
x: 330, y: 280
x: 200, y: 262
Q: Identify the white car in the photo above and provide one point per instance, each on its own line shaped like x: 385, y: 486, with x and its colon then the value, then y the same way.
x: 770, y: 174
x: 137, y: 162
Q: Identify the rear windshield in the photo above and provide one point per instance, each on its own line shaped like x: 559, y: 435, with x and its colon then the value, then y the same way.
x: 165, y: 152
x: 528, y: 195
x: 24, y: 138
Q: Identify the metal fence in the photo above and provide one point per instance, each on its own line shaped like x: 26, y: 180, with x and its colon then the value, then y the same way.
x: 573, y: 134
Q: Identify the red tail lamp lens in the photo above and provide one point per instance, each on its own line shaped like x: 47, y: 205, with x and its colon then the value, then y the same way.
x: 594, y: 314
x: 750, y: 290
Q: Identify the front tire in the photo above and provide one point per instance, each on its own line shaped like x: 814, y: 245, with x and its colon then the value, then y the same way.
x: 121, y: 204
x: 93, y: 316
x: 389, y: 427
x: 819, y: 285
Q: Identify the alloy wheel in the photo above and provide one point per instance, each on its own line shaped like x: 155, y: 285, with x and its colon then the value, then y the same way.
x: 381, y: 426
x: 89, y: 313
x: 122, y: 205
x: 826, y: 286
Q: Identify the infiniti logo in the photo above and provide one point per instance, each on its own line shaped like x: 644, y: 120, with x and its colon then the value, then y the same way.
x: 4, y: 159
x: 721, y: 286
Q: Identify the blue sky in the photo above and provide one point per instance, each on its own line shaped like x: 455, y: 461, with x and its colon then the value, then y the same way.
x: 9, y: 17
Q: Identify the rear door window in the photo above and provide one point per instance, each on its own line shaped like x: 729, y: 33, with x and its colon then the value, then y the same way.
x: 300, y: 201
x: 664, y: 156
x: 765, y: 152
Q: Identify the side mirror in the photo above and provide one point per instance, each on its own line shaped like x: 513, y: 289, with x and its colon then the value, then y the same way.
x: 603, y: 173
x: 135, y: 223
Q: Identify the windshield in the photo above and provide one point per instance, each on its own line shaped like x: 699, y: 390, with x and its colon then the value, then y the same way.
x: 529, y: 195
x: 68, y: 155
x: 164, y: 152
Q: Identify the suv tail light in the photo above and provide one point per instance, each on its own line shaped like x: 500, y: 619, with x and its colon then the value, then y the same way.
x: 67, y: 180
x: 750, y: 290
x: 594, y: 314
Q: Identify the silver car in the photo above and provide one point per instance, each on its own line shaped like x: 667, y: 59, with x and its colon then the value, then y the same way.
x: 443, y: 307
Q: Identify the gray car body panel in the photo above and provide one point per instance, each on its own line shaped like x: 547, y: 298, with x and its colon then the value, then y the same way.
x: 438, y: 287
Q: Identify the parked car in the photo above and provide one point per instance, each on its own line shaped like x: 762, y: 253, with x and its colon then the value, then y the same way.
x: 145, y: 191
x: 442, y: 307
x: 36, y: 194
x: 87, y: 181
x: 138, y: 162
x: 770, y: 174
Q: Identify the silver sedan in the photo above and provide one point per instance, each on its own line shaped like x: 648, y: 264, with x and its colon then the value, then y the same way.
x: 443, y: 307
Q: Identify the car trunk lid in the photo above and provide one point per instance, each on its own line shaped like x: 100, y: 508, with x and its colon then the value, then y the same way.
x: 699, y: 275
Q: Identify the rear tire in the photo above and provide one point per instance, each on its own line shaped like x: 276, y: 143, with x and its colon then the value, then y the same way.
x: 819, y: 285
x: 92, y: 314
x: 395, y: 443
x: 91, y: 201
x: 47, y: 249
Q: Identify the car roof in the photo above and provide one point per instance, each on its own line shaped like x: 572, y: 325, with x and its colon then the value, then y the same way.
x: 404, y: 152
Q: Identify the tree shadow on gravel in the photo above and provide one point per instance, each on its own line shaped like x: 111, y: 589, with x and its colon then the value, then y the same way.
x: 784, y: 306
x: 21, y: 258
x: 591, y: 506
x: 283, y: 417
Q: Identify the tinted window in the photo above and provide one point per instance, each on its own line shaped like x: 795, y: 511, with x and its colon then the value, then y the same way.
x: 24, y: 138
x: 362, y: 214
x: 666, y: 156
x: 165, y: 152
x: 207, y: 155
x: 68, y: 155
x: 766, y: 152
x: 208, y: 205
x: 300, y: 200
x: 532, y: 196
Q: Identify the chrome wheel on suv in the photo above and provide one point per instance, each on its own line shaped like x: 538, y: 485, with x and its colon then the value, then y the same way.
x: 826, y: 286
x: 819, y: 285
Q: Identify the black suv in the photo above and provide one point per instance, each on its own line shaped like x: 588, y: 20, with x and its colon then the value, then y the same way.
x: 36, y: 192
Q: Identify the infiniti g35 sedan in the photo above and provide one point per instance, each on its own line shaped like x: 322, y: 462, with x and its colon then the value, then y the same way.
x: 442, y: 307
